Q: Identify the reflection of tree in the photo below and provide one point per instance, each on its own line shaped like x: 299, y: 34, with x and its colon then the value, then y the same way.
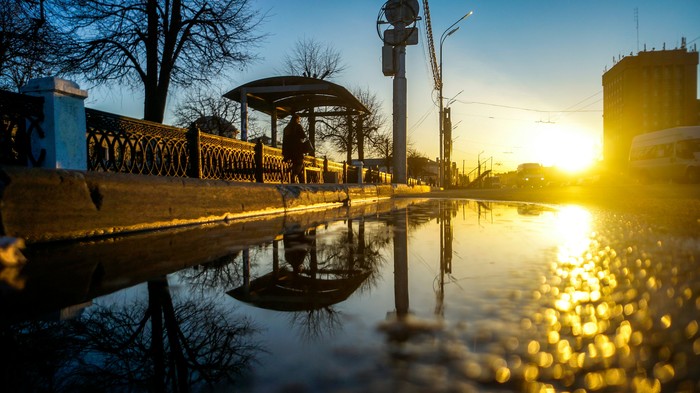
x: 357, y: 250
x: 36, y: 355
x: 186, y: 344
x: 221, y: 273
x: 316, y: 323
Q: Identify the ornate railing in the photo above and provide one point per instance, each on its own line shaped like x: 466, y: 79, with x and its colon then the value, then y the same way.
x: 21, y: 116
x: 126, y: 145
x: 121, y: 144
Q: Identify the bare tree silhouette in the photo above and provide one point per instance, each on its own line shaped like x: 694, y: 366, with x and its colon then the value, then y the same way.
x: 313, y: 59
x: 163, y: 345
x: 153, y: 44
x: 29, y: 43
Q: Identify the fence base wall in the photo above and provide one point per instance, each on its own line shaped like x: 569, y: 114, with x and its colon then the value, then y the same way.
x: 42, y: 205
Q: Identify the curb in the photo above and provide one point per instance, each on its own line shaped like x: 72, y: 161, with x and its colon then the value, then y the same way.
x: 41, y: 205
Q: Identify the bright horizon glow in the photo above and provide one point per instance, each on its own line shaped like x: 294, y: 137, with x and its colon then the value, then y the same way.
x: 567, y: 148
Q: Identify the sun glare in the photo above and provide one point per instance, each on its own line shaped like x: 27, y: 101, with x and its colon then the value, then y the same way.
x: 570, y: 150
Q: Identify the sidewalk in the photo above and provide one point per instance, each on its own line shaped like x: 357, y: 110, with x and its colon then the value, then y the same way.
x: 42, y: 205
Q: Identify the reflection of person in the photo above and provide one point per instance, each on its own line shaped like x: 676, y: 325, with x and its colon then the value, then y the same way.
x: 294, y: 147
x: 296, y: 247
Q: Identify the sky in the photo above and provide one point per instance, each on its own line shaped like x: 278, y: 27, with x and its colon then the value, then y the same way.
x: 525, y: 75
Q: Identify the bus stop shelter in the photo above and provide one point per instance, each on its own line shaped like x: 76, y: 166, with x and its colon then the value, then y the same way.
x: 280, y: 96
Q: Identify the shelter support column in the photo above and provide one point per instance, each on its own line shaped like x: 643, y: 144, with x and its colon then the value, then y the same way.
x: 273, y: 127
x: 244, y: 115
x: 312, y: 129
x: 360, y: 137
x: 348, y: 120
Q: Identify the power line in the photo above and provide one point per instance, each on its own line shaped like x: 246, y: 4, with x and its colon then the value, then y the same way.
x: 530, y: 109
x: 421, y: 120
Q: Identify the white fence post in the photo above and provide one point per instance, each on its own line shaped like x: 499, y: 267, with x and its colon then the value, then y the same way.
x: 64, y: 122
x: 360, y: 169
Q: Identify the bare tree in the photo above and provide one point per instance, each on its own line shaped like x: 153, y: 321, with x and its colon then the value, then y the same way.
x: 213, y: 114
x: 28, y: 46
x: 344, y: 134
x: 153, y: 44
x: 383, y: 147
x: 373, y: 123
x: 313, y: 59
x: 416, y: 161
x: 209, y: 111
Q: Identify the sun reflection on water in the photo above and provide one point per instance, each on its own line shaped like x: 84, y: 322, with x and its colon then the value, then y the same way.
x: 601, y: 331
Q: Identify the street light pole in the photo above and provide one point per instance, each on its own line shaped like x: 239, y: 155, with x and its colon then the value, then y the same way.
x: 478, y: 165
x: 448, y: 32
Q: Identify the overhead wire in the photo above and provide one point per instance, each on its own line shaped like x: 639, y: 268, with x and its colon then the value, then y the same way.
x: 526, y: 109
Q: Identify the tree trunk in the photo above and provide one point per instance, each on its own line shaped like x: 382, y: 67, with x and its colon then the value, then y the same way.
x: 150, y: 106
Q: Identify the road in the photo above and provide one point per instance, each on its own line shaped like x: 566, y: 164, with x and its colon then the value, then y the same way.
x: 668, y: 204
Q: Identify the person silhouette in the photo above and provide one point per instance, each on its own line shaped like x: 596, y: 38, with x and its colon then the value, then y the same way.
x: 296, y: 248
x: 293, y: 148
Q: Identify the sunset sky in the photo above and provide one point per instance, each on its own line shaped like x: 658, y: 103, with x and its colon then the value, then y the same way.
x: 526, y: 74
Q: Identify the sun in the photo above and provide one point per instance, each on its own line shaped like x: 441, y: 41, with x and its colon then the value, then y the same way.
x: 570, y: 149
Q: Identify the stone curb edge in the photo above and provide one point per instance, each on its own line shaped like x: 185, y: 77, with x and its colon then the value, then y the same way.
x: 41, y: 205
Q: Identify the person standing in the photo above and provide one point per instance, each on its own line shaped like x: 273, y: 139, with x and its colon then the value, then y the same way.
x: 294, y: 147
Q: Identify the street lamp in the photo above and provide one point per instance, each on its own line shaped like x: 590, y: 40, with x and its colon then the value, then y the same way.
x: 478, y: 165
x: 448, y: 32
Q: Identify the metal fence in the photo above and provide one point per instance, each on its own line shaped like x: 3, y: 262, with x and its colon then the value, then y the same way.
x: 121, y: 144
x: 125, y: 145
x: 21, y: 116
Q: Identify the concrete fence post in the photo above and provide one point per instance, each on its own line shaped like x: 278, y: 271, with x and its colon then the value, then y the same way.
x: 259, y: 169
x: 63, y: 125
x: 360, y: 169
x: 195, y: 152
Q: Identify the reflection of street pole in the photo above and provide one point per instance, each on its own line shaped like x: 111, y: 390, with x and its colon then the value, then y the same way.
x: 401, y: 264
x: 440, y: 297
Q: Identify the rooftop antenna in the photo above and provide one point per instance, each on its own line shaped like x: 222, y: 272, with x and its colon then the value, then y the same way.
x: 636, y: 20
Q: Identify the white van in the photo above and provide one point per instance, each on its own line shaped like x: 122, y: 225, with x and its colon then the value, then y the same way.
x: 670, y: 154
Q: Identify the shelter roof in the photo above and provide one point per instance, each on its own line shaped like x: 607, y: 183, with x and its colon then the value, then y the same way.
x: 291, y: 94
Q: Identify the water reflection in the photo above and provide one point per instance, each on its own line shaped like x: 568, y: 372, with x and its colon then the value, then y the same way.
x: 157, y: 344
x: 598, y: 319
x: 448, y: 295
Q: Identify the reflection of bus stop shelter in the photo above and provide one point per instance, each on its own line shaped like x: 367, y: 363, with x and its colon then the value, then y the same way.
x: 281, y: 96
x: 283, y: 290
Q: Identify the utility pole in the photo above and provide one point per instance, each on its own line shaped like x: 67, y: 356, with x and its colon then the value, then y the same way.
x: 445, y: 161
x: 402, y: 15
